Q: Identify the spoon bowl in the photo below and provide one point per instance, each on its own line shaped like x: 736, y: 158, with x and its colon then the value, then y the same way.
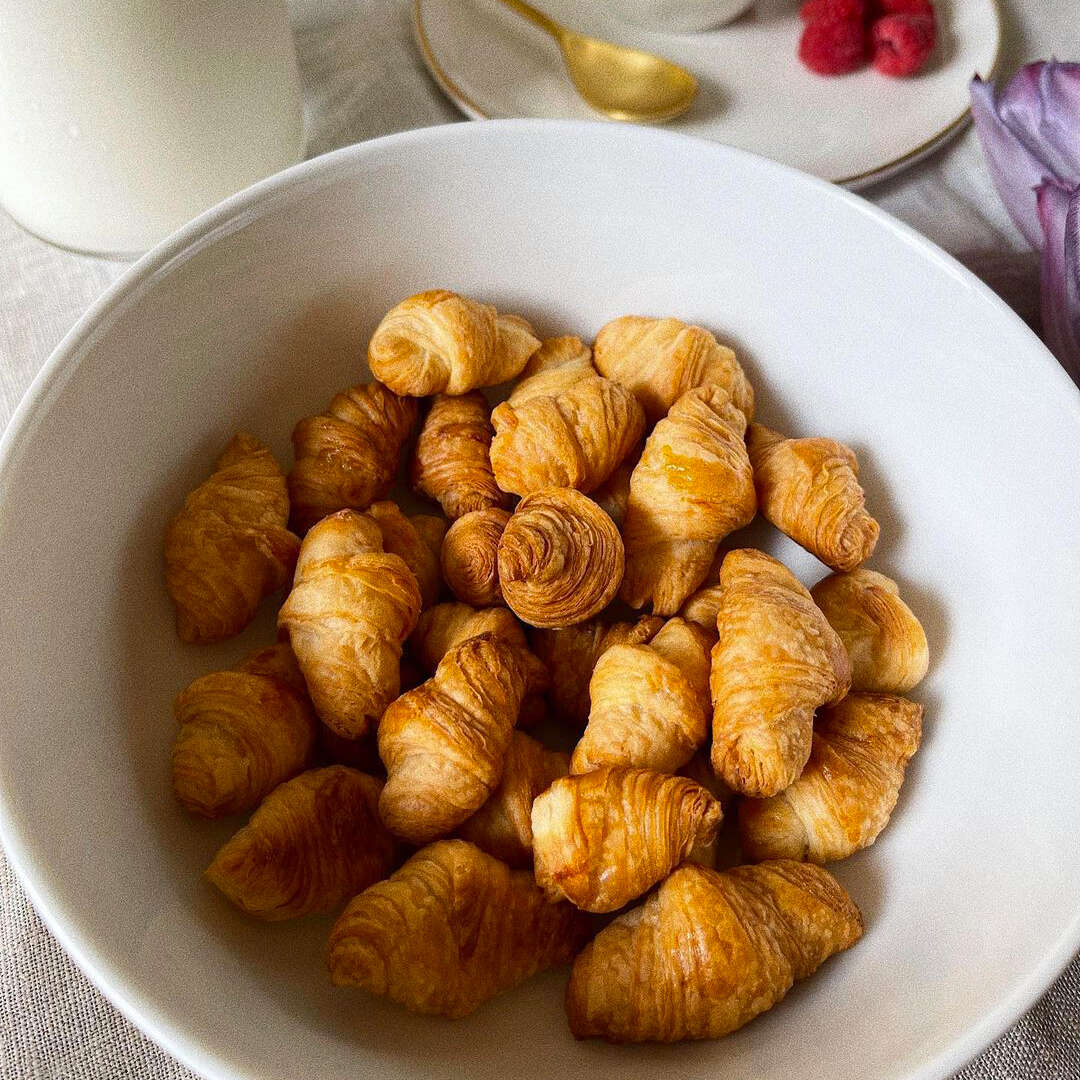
x: 624, y: 83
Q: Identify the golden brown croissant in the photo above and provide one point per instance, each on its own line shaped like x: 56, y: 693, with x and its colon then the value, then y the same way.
x: 229, y: 546
x: 775, y: 662
x: 444, y: 744
x: 886, y: 643
x: 351, y: 608
x: 242, y: 732
x: 560, y: 559
x: 315, y: 841
x: 346, y: 458
x: 809, y: 489
x: 470, y: 556
x: 440, y: 343
x: 849, y: 787
x: 570, y: 655
x: 708, y: 951
x: 451, y: 462
x: 604, y: 837
x: 692, y: 486
x: 503, y: 825
x: 650, y: 703
x: 451, y: 929
x: 660, y: 359
x: 564, y: 426
x: 401, y: 537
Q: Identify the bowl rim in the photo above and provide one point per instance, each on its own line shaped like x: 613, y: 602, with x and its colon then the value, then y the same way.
x: 249, y: 204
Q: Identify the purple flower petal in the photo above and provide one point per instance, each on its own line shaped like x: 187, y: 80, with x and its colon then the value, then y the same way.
x: 1015, y: 168
x: 1059, y: 213
x: 1059, y: 120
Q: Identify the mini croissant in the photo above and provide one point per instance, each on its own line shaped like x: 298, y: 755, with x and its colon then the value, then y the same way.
x: 650, y: 703
x: 315, y: 841
x: 886, y: 643
x: 849, y: 787
x: 241, y: 733
x: 351, y: 608
x: 604, y: 837
x: 229, y: 546
x: 451, y: 463
x: 346, y: 458
x: 440, y: 343
x: 451, y: 929
x: 560, y: 559
x: 660, y: 359
x: 470, y: 556
x: 402, y: 536
x: 570, y: 655
x: 809, y: 489
x: 564, y: 426
x: 692, y: 486
x: 503, y: 825
x: 775, y: 662
x: 444, y: 744
x: 709, y: 951
x: 613, y: 495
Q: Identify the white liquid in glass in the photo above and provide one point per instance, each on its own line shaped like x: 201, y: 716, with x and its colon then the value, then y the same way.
x: 122, y: 119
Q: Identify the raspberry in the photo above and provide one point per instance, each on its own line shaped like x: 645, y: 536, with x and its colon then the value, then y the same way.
x: 833, y: 10
x: 924, y: 8
x: 901, y: 44
x: 833, y: 48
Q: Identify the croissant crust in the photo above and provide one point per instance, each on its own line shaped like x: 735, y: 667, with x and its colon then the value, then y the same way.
x: 844, y: 796
x: 315, y: 841
x: 470, y: 556
x: 438, y: 342
x: 604, y: 837
x: 809, y: 489
x: 451, y: 462
x: 692, y: 486
x: 229, y: 546
x: 560, y: 559
x: 884, y: 639
x: 776, y: 661
x: 451, y: 929
x: 419, y: 550
x: 660, y: 359
x: 708, y: 951
x: 351, y: 607
x: 346, y: 458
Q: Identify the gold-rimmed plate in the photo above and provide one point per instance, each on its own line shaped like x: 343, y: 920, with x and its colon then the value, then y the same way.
x: 853, y: 130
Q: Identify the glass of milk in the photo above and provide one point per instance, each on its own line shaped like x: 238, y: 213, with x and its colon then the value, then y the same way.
x: 122, y: 119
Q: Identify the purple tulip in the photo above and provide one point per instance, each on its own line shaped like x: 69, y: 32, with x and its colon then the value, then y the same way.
x: 1030, y: 135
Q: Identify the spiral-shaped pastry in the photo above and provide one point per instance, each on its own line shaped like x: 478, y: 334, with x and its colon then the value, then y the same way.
x: 561, y: 559
x: 437, y: 342
x: 470, y: 562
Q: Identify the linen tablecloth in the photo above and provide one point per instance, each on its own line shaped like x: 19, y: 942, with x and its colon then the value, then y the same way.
x: 363, y: 79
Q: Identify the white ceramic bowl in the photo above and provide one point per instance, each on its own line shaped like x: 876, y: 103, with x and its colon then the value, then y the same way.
x: 678, y: 16
x: 849, y: 324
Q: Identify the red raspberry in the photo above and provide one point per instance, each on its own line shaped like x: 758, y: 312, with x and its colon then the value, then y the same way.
x: 901, y: 44
x: 923, y: 8
x: 833, y: 10
x: 833, y: 48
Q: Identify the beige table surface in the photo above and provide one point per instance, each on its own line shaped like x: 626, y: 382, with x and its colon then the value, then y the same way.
x: 363, y: 79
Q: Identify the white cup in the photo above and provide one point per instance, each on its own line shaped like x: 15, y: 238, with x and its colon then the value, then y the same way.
x: 122, y: 119
x: 679, y: 16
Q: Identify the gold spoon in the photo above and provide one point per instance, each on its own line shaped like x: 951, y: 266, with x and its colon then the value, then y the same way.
x: 627, y: 84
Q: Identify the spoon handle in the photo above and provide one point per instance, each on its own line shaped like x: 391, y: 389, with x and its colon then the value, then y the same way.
x: 527, y: 11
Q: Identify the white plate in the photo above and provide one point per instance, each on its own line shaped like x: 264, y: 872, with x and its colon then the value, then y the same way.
x: 755, y: 94
x: 849, y: 324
